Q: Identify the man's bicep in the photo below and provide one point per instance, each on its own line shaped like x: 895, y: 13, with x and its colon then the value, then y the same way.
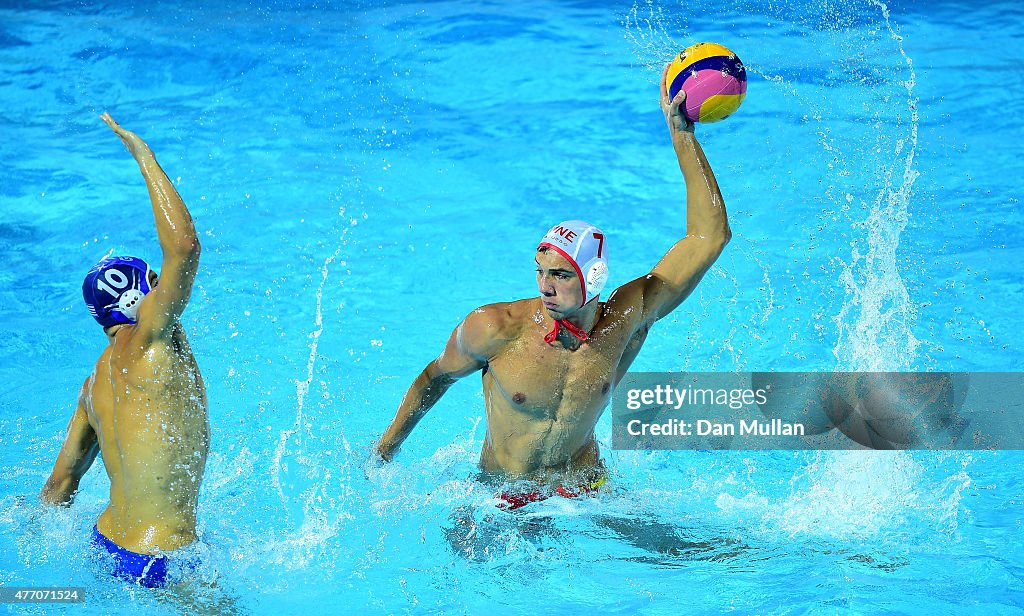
x: 687, y: 261
x: 474, y: 342
x: 77, y: 454
x: 82, y: 440
x: 459, y: 357
x: 677, y: 274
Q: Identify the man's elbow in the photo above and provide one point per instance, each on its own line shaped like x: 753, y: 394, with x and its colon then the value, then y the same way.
x: 191, y: 247
x: 725, y: 238
x: 716, y: 242
x: 435, y: 376
x: 186, y: 249
x: 384, y: 453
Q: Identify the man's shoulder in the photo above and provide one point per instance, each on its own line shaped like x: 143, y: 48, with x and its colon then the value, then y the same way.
x: 500, y: 321
x: 138, y: 355
x: 137, y: 336
x: 505, y: 312
x: 630, y: 296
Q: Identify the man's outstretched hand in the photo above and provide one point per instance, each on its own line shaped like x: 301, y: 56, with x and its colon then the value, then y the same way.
x: 136, y: 146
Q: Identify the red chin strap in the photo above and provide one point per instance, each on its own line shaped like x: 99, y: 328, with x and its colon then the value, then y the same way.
x: 552, y: 335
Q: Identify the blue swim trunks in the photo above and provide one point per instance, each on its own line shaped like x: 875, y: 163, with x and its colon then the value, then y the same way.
x: 143, y: 569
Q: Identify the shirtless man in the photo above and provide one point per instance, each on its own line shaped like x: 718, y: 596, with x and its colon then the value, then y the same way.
x: 550, y: 363
x: 144, y: 405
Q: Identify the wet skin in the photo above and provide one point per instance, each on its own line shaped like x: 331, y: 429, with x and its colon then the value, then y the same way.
x: 147, y: 406
x: 542, y: 400
x: 144, y: 407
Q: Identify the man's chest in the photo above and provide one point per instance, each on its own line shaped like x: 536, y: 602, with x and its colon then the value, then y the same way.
x: 539, y: 378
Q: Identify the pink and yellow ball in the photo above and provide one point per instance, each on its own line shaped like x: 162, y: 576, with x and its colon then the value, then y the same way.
x: 713, y: 78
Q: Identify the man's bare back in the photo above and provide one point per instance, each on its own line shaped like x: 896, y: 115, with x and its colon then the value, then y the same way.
x: 550, y: 363
x: 148, y: 408
x: 144, y: 405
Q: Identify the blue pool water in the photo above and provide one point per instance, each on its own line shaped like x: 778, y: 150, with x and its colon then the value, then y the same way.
x: 363, y: 176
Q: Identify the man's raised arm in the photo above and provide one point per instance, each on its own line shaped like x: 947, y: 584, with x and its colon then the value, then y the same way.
x: 177, y: 236
x: 467, y: 351
x: 707, y: 228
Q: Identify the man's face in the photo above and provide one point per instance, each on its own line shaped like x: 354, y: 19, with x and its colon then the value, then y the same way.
x: 559, y: 286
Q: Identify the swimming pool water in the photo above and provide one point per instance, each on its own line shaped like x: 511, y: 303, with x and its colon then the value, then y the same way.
x: 363, y: 175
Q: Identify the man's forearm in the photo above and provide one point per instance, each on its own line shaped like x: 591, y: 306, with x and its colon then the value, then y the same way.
x: 705, y: 207
x: 59, y: 491
x: 421, y: 397
x: 174, y: 227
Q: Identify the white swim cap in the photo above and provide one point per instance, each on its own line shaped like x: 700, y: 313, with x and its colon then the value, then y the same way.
x: 583, y: 245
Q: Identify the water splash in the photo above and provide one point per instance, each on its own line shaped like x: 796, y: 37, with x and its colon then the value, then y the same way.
x: 863, y: 313
x: 293, y: 434
x: 860, y: 497
x: 645, y: 29
x: 876, y: 323
x: 854, y: 117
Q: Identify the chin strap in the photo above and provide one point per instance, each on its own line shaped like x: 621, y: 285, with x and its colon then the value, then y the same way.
x: 575, y: 331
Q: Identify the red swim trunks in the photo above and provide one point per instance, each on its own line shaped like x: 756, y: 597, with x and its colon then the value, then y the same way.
x: 514, y: 500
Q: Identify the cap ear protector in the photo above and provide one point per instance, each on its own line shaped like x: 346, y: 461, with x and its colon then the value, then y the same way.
x: 597, y: 277
x: 113, y: 289
x: 583, y: 245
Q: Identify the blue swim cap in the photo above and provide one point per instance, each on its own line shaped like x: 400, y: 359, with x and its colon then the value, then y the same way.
x: 114, y: 288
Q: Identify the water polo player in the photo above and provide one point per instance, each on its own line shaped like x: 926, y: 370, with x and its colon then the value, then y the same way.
x: 550, y: 363
x: 144, y: 405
